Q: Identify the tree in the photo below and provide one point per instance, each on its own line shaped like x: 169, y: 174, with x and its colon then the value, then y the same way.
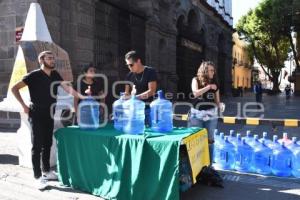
x: 286, y: 15
x: 269, y: 46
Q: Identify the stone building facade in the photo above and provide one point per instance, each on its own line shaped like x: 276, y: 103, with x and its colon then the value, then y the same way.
x: 173, y: 36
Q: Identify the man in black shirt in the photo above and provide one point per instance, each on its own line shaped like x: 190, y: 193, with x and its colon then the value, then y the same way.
x: 42, y: 84
x: 143, y: 77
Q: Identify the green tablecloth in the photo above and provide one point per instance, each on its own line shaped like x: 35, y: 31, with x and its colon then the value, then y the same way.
x: 112, y: 165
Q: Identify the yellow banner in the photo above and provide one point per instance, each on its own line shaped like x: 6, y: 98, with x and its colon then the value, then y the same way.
x: 198, y: 152
x: 19, y: 70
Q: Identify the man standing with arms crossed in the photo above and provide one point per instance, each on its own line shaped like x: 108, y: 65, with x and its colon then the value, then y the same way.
x: 40, y: 83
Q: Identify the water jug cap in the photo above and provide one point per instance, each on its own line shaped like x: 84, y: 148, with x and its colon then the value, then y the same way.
x: 248, y: 133
x: 238, y: 136
x: 265, y: 134
x: 216, y: 132
x: 160, y: 94
x: 88, y: 91
x: 255, y: 136
x: 285, y: 135
x: 226, y: 138
x: 231, y: 132
x: 294, y: 139
x: 275, y: 137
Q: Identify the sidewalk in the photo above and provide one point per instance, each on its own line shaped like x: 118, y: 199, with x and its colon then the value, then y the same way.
x: 275, y: 106
x: 16, y: 183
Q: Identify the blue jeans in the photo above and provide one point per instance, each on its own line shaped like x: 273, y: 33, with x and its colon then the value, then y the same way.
x: 210, y: 126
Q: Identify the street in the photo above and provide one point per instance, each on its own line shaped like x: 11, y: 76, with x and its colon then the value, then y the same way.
x: 17, y: 183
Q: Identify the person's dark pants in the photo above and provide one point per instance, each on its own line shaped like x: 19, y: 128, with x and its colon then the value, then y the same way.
x: 258, y: 98
x: 42, y: 131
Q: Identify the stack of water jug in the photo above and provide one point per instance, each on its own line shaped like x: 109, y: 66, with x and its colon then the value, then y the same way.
x: 280, y: 157
x: 129, y: 115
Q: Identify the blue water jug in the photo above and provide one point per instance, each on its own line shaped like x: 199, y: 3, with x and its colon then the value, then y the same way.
x: 225, y: 157
x: 281, y: 162
x: 231, y: 137
x: 88, y: 118
x: 292, y: 145
x: 134, y: 116
x: 254, y: 141
x: 218, y: 139
x: 265, y: 138
x: 118, y: 113
x: 237, y: 140
x: 275, y: 143
x: 296, y: 160
x: 248, y: 137
x: 262, y: 159
x: 294, y: 148
x: 285, y: 139
x: 216, y: 135
x: 244, y: 156
x: 161, y: 113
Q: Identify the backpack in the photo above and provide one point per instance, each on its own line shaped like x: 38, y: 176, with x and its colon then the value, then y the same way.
x: 209, y: 176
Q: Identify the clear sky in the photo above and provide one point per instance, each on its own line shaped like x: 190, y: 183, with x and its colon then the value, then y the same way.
x: 241, y: 7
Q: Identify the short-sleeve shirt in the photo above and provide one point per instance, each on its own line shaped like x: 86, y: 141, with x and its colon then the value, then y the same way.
x: 207, y: 97
x: 42, y: 88
x: 141, y: 80
x: 96, y: 88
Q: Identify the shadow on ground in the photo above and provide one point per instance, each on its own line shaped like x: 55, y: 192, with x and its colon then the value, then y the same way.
x: 238, y: 191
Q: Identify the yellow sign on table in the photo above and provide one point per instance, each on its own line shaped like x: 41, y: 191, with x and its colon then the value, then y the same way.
x: 198, y: 152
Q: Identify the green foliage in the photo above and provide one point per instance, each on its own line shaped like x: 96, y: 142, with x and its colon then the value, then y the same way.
x: 267, y: 29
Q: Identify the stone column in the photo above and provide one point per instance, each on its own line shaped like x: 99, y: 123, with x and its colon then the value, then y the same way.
x: 228, y: 65
x: 77, y: 31
x: 211, y: 53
